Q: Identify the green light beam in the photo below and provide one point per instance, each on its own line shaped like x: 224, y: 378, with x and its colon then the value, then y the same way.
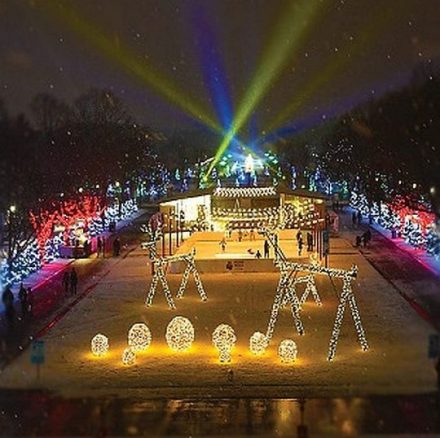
x: 293, y: 29
x: 339, y: 61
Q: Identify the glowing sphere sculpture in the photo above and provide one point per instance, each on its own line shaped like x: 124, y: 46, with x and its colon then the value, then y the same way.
x: 287, y: 351
x: 180, y: 334
x: 128, y: 356
x: 99, y: 344
x: 258, y: 343
x: 139, y: 337
x: 223, y: 338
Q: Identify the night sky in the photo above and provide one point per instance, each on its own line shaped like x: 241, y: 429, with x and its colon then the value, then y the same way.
x: 210, y: 50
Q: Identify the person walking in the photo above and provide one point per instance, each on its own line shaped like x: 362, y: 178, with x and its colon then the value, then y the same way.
x: 223, y: 244
x: 353, y: 219
x: 309, y: 241
x: 22, y: 296
x: 66, y: 281
x: 98, y: 246
x: 300, y: 246
x: 240, y: 235
x: 266, y: 249
x: 298, y: 235
x: 8, y: 301
x: 116, y: 247
x: 73, y: 281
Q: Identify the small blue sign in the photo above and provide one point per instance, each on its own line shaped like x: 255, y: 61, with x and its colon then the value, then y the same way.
x: 37, y: 352
x: 434, y: 346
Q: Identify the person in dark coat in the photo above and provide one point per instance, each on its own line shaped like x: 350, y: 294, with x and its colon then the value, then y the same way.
x: 98, y: 246
x: 300, y: 246
x: 309, y: 241
x: 266, y: 249
x: 353, y: 218
x: 116, y: 247
x: 73, y: 281
x: 66, y: 281
x: 8, y: 301
x: 23, y: 297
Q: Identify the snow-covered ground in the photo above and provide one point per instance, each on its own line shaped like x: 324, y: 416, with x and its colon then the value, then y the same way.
x: 396, y: 362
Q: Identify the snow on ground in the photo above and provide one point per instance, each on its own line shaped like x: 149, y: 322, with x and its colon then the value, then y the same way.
x: 396, y: 362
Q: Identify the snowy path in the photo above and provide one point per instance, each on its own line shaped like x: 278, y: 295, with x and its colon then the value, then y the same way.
x: 396, y: 363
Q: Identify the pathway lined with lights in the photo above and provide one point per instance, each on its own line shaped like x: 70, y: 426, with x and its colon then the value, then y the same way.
x: 406, y: 274
x: 49, y: 300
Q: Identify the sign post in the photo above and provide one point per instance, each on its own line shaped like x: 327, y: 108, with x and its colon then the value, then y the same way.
x: 37, y: 355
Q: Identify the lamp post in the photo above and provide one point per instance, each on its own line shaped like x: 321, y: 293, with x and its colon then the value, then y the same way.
x: 170, y: 243
x: 11, y: 211
x: 163, y: 234
x: 177, y: 217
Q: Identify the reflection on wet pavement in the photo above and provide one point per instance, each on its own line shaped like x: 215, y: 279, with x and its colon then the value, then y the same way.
x: 37, y: 413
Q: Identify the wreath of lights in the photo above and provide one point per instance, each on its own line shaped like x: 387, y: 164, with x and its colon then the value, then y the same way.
x: 258, y: 343
x: 224, y: 339
x: 244, y: 192
x: 139, y: 337
x: 128, y: 356
x: 286, y: 293
x: 287, y: 351
x: 99, y: 345
x: 180, y: 334
x: 160, y: 263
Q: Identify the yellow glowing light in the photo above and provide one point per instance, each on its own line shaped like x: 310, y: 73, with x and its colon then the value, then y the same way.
x: 223, y: 338
x: 258, y: 343
x: 128, y: 356
x: 180, y: 334
x: 287, y: 351
x: 99, y: 344
x: 139, y: 337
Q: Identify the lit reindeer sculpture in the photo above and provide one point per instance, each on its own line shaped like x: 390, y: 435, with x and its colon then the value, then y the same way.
x: 286, y: 294
x: 160, y: 264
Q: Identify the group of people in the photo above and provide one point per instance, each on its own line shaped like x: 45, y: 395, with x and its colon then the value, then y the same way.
x: 300, y: 242
x: 70, y: 281
x: 25, y: 298
x: 364, y: 239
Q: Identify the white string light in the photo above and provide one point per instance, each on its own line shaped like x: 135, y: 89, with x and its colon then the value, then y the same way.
x: 160, y: 264
x: 139, y: 337
x: 258, y: 343
x: 128, y: 356
x: 99, y: 344
x: 286, y: 294
x: 180, y: 334
x: 287, y: 351
x: 244, y: 192
x: 223, y: 338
